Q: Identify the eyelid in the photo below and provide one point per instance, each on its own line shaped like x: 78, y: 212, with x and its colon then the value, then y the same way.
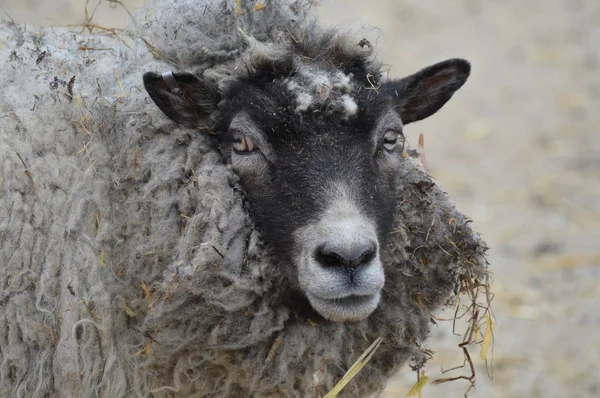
x: 391, y: 135
x: 247, y: 128
x: 398, y: 131
x: 395, y: 128
x: 243, y: 124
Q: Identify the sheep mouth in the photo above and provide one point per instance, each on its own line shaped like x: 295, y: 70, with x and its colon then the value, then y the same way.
x: 348, y: 308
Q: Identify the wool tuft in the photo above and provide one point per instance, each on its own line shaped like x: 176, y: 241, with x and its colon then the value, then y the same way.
x: 130, y: 266
x: 313, y: 88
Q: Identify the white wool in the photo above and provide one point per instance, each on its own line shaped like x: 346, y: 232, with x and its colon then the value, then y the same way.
x: 292, y: 85
x: 303, y: 101
x: 320, y: 80
x: 350, y: 105
x: 343, y: 81
x: 316, y: 87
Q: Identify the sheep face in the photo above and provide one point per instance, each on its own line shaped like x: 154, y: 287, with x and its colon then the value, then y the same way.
x: 317, y: 153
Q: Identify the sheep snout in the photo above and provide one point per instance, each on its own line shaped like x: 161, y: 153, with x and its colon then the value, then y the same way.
x: 339, y: 268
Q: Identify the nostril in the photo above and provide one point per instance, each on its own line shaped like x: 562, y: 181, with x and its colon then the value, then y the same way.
x: 351, y: 256
x: 365, y: 257
x: 329, y: 258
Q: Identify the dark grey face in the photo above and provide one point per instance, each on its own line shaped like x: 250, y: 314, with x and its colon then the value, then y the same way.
x: 317, y: 154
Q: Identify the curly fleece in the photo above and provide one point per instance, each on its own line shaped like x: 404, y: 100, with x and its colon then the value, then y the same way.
x: 129, y: 266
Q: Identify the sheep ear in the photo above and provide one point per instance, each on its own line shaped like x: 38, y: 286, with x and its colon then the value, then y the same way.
x: 424, y: 93
x: 183, y: 97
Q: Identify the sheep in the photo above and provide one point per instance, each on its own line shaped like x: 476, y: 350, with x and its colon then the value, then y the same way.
x: 143, y: 257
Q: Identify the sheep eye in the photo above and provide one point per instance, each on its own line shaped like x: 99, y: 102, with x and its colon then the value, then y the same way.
x: 391, y: 139
x: 243, y: 143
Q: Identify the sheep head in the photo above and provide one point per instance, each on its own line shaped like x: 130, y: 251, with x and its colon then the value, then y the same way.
x: 317, y: 150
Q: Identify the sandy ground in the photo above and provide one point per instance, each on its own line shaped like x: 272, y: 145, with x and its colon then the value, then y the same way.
x: 518, y: 151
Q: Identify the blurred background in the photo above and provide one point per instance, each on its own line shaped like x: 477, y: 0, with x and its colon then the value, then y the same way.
x: 517, y: 149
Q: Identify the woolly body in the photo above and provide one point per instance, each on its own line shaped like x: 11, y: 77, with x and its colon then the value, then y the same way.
x: 129, y: 264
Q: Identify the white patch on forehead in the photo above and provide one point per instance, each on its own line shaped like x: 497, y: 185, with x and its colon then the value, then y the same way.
x: 350, y: 105
x: 343, y: 81
x: 304, y: 101
x: 313, y: 87
x: 321, y: 80
x: 292, y: 85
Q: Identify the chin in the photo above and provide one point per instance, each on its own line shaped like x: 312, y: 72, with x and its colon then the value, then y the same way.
x: 351, y: 308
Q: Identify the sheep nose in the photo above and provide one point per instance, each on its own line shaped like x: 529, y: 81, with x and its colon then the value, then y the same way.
x: 347, y: 256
